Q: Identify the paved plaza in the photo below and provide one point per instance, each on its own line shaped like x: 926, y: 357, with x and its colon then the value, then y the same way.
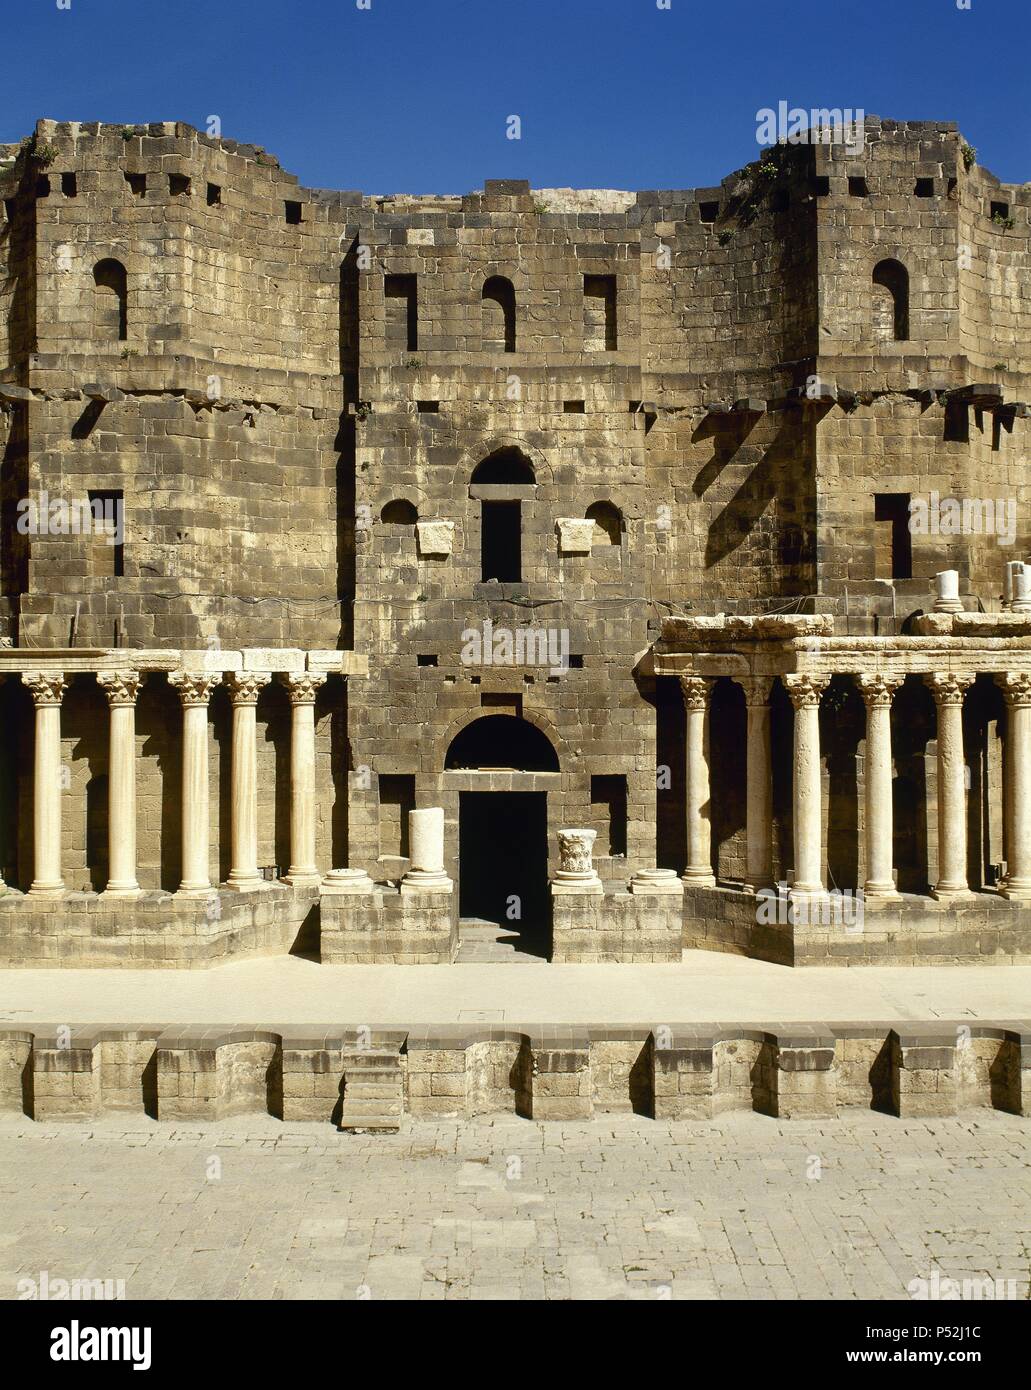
x: 620, y: 1208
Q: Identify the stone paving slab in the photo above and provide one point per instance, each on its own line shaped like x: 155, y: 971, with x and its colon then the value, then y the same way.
x: 746, y: 1207
x: 706, y: 987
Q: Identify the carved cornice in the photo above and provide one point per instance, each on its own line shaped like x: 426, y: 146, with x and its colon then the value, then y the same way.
x: 804, y: 690
x: 46, y: 687
x: 194, y: 687
x: 948, y: 687
x: 120, y: 687
x: 246, y: 686
x: 878, y: 689
x: 303, y: 686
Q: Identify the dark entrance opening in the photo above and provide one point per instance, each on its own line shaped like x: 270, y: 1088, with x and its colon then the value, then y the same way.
x: 503, y: 872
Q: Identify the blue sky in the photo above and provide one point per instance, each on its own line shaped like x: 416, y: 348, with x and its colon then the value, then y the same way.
x: 414, y: 95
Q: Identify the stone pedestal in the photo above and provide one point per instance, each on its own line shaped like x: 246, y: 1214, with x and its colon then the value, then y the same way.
x: 946, y: 587
x: 347, y: 881
x: 662, y: 881
x: 121, y: 688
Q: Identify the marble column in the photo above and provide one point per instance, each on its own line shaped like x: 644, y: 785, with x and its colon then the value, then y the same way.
x: 759, y: 784
x: 1016, y: 687
x: 576, y: 872
x: 804, y: 692
x: 195, y: 689
x: 877, y: 692
x: 696, y: 691
x: 302, y: 687
x: 948, y: 689
x: 121, y: 689
x: 244, y: 688
x: 47, y: 690
x: 426, y: 850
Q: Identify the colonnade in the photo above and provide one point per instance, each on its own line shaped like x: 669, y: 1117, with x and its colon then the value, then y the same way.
x: 805, y: 691
x: 195, y: 688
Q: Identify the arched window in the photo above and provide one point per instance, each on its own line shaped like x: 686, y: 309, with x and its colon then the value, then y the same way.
x: 501, y: 741
x: 499, y: 326
x: 608, y: 524
x: 400, y: 512
x: 890, y: 302
x: 501, y: 478
x: 110, y: 319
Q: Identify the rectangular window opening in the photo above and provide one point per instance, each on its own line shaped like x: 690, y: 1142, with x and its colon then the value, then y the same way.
x: 214, y: 195
x: 401, y: 293
x: 107, y: 533
x: 708, y: 212
x: 396, y: 800
x: 500, y: 542
x: 137, y: 184
x: 69, y: 185
x: 574, y: 407
x: 600, y: 313
x: 293, y: 214
x: 43, y: 186
x: 821, y: 185
x: 924, y: 188
x: 178, y: 185
x: 1001, y: 210
x: 425, y: 660
x: 857, y: 187
x: 893, y: 540
x: 609, y: 812
x: 427, y: 407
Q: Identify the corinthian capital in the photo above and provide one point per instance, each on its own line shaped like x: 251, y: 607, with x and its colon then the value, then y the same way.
x: 948, y: 687
x: 120, y: 687
x: 46, y: 687
x: 757, y: 689
x: 245, y: 686
x: 194, y: 687
x: 696, y: 691
x: 303, y: 686
x: 1015, y: 686
x: 804, y: 690
x: 878, y: 689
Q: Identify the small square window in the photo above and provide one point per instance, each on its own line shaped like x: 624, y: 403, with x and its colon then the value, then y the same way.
x: 137, y: 184
x: 69, y: 185
x: 821, y: 185
x: 214, y: 195
x: 178, y: 185
x: 427, y: 407
x: 43, y: 187
x: 1000, y: 210
x: 426, y: 660
x: 924, y: 188
x: 857, y: 187
x: 708, y: 212
x: 574, y: 407
x: 293, y: 214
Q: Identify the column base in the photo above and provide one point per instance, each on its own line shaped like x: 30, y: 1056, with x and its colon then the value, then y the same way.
x: 420, y: 881
x: 944, y: 893
x: 195, y: 890
x: 1019, y: 889
x: 699, y: 878
x: 881, y: 892
x: 46, y: 890
x: 243, y: 884
x: 302, y: 878
x: 122, y: 890
x: 591, y: 883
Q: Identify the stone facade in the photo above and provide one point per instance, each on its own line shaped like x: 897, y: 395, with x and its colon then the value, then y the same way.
x: 414, y: 501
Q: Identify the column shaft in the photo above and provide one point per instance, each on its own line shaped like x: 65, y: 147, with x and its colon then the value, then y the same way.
x: 877, y: 692
x: 303, y: 688
x: 1016, y: 687
x: 948, y: 689
x: 121, y: 688
x: 696, y: 690
x: 244, y: 687
x: 194, y: 693
x: 805, y: 692
x: 759, y: 785
x: 47, y: 691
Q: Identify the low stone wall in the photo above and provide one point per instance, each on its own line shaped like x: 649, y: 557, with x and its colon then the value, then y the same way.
x: 986, y: 930
x: 372, y: 1079
x: 388, y: 926
x: 154, y: 930
x: 620, y: 927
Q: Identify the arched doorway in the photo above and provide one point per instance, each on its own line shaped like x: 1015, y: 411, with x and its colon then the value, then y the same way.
x: 502, y: 762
